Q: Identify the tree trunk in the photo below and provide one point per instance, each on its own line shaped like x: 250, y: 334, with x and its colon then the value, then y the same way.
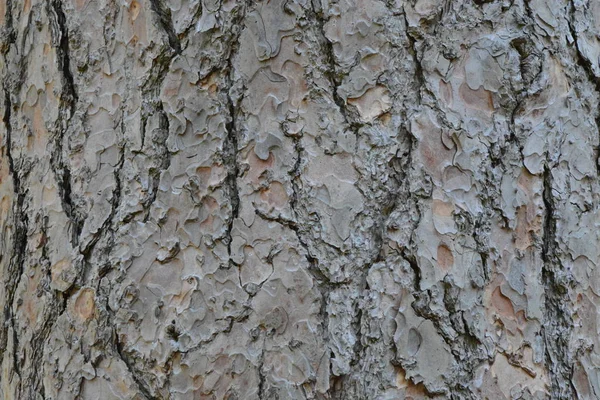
x: 296, y: 199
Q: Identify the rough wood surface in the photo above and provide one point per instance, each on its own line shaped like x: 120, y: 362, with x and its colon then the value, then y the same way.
x: 299, y: 199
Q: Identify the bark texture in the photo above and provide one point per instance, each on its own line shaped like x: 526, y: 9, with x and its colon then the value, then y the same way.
x: 299, y: 199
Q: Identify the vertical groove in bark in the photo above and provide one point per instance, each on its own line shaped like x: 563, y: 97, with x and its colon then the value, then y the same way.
x: 412, y: 48
x: 331, y: 70
x: 161, y: 142
x: 34, y: 378
x: 261, y: 376
x: 106, y: 227
x: 151, y: 102
x: 20, y: 218
x: 32, y: 384
x: 152, y: 106
x: 558, y: 322
x: 164, y: 16
x: 68, y: 100
x: 357, y: 283
x: 142, y: 386
x: 231, y: 155
x: 466, y: 348
x: 19, y: 252
x: 324, y: 285
x: 420, y: 84
x: 586, y: 66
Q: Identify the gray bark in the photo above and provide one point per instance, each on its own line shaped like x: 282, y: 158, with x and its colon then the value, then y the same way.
x: 296, y: 199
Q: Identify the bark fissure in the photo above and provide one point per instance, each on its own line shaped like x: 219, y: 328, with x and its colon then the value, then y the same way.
x: 152, y: 105
x: 231, y: 155
x: 19, y: 250
x: 586, y: 66
x: 261, y: 376
x: 106, y: 225
x: 68, y: 99
x: 135, y: 374
x: 20, y: 218
x: 448, y: 319
x: 230, y: 144
x: 164, y: 156
x: 354, y: 124
x: 324, y: 284
x: 164, y: 16
x: 421, y: 84
x: 558, y: 322
x: 414, y: 52
x: 331, y: 71
x: 36, y: 381
x: 320, y: 278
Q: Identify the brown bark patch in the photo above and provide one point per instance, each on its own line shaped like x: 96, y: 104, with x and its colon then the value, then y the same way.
x: 85, y: 304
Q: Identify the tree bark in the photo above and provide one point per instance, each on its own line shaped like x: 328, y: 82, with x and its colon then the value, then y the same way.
x: 299, y: 199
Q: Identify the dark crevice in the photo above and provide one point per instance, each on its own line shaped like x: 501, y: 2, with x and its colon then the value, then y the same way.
x: 359, y: 346
x: 230, y: 157
x: 314, y: 269
x: 38, y: 340
x: 135, y: 375
x: 421, y: 84
x: 331, y: 72
x: 230, y: 143
x: 324, y: 284
x: 18, y: 253
x: 9, y: 32
x: 152, y: 105
x: 412, y: 262
x: 261, y: 377
x: 19, y: 250
x: 549, y: 221
x: 163, y: 160
x: 68, y: 103
x: 412, y: 49
x: 587, y: 66
x: 320, y: 278
x: 442, y: 310
x: 106, y: 225
x: 164, y: 16
x: 70, y: 96
x: 7, y: 126
x: 34, y: 387
x: 558, y: 321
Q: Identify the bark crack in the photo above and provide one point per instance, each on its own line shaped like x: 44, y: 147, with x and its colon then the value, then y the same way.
x: 20, y: 218
x: 331, y: 72
x: 68, y: 103
x: 442, y: 309
x: 135, y: 375
x: 106, y: 225
x: 412, y: 49
x: 558, y: 321
x: 231, y: 155
x: 587, y: 67
x: 318, y: 275
x: 164, y: 157
x: 19, y: 251
x: 261, y: 376
x: 35, y: 379
x: 166, y: 22
x: 152, y: 103
x: 324, y: 284
x: 230, y: 144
